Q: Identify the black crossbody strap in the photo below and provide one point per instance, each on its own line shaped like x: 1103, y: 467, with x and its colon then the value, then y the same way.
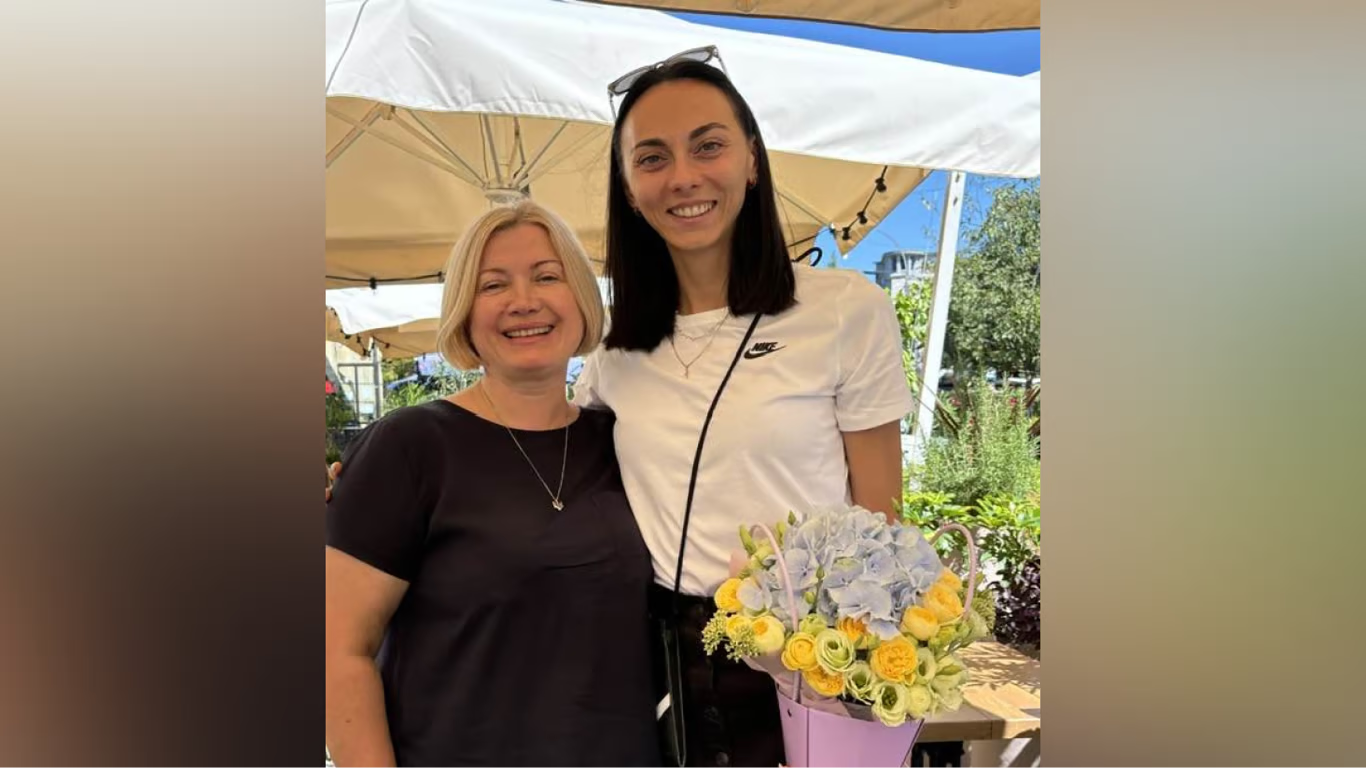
x: 697, y: 459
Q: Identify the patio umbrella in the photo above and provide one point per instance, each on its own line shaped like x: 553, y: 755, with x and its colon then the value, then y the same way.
x: 918, y: 15
x: 402, y: 319
x: 438, y: 109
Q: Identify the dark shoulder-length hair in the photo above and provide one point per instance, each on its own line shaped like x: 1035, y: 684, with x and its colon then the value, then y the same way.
x: 644, y: 285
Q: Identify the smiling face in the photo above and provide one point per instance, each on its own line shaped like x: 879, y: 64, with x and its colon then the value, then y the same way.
x: 524, y: 321
x: 688, y: 165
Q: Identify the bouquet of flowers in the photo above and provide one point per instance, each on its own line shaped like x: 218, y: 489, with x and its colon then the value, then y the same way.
x: 858, y: 617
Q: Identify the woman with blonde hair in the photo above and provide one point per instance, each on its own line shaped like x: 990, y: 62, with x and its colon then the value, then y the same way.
x: 486, y: 583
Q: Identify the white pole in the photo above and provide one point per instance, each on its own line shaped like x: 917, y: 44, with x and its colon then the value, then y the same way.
x: 939, y: 312
x: 378, y: 373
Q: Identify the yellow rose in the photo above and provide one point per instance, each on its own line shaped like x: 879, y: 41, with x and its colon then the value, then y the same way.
x: 852, y: 628
x: 768, y: 634
x: 800, y: 653
x: 943, y: 603
x: 895, y: 660
x: 824, y: 683
x: 919, y: 623
x: 950, y: 579
x: 727, y: 597
x: 736, y: 623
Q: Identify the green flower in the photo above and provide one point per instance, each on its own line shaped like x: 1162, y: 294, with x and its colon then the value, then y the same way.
x: 979, y: 628
x: 941, y: 641
x: 949, y: 700
x: 984, y: 605
x: 746, y: 540
x: 949, y: 665
x: 834, y: 651
x: 891, y: 702
x: 949, y: 676
x: 919, y: 701
x: 714, y: 633
x: 860, y: 682
x: 928, y: 666
x: 943, y: 683
x: 812, y: 623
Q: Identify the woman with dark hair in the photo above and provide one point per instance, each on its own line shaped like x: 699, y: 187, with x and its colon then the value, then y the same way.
x: 743, y: 386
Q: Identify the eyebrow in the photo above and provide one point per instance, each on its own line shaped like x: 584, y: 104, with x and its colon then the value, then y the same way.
x: 698, y: 131
x: 501, y: 271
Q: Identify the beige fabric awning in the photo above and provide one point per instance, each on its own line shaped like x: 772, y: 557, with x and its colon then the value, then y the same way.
x: 395, y: 343
x: 400, y: 194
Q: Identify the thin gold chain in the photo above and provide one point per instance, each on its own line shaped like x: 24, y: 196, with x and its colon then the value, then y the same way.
x: 564, y: 461
x: 710, y: 338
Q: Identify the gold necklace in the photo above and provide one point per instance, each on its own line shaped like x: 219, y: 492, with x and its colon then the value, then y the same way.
x: 554, y: 497
x: 710, y: 338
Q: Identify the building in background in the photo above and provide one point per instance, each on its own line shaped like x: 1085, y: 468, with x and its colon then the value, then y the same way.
x: 898, y: 269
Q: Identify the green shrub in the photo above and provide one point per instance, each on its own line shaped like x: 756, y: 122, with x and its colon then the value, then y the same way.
x: 992, y: 452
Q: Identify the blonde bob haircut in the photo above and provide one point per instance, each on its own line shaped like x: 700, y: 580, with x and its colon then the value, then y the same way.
x: 462, y: 278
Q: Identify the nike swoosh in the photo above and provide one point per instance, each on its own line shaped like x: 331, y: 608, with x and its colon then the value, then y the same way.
x: 751, y: 354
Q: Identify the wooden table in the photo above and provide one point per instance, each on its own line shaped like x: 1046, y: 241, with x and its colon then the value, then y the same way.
x: 1000, y: 702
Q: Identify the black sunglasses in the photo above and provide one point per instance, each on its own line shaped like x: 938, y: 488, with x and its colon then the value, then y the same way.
x: 623, y: 84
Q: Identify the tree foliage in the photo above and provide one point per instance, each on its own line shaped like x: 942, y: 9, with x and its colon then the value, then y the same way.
x: 994, y: 313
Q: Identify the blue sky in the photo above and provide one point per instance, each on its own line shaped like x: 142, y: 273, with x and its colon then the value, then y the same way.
x: 914, y: 224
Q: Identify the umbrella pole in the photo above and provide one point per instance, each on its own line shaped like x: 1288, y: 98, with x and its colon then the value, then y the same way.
x: 939, y: 313
x: 378, y: 376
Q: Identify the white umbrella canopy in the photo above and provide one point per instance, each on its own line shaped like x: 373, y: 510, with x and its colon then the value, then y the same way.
x: 438, y: 109
x: 394, y: 343
x: 402, y: 319
x: 908, y: 15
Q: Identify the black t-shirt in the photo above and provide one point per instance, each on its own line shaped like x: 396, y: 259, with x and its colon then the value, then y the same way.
x: 522, y: 638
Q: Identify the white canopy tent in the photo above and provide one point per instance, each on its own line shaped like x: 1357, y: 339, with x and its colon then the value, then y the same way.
x: 401, y: 319
x: 910, y: 15
x: 437, y: 109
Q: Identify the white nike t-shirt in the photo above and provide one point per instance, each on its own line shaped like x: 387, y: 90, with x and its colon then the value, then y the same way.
x: 830, y: 364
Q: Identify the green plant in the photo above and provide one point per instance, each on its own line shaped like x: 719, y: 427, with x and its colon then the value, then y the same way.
x: 992, y: 452
x: 338, y: 414
x: 1010, y: 533
x: 1008, y: 537
x: 407, y: 395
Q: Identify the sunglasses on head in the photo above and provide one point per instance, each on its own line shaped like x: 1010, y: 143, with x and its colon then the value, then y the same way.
x: 623, y: 84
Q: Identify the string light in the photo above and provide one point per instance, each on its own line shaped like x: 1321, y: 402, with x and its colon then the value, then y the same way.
x: 846, y: 232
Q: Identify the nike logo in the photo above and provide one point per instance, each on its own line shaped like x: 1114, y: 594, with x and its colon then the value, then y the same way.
x: 762, y: 348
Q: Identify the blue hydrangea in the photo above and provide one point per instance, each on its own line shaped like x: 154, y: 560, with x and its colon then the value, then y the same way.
x: 855, y: 563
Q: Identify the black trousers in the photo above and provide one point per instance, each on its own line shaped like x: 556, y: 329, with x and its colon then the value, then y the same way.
x: 730, y: 711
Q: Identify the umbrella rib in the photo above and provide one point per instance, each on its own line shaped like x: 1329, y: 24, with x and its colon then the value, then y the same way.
x: 524, y: 175
x: 356, y: 131
x: 493, y: 149
x: 399, y: 145
x: 450, y: 154
x: 804, y: 206
x: 518, y: 143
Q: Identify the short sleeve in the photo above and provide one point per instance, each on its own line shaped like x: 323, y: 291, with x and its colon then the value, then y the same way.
x: 586, y: 392
x: 872, y: 388
x: 376, y: 514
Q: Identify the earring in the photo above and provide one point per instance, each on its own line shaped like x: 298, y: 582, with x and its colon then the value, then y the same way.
x: 752, y: 183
